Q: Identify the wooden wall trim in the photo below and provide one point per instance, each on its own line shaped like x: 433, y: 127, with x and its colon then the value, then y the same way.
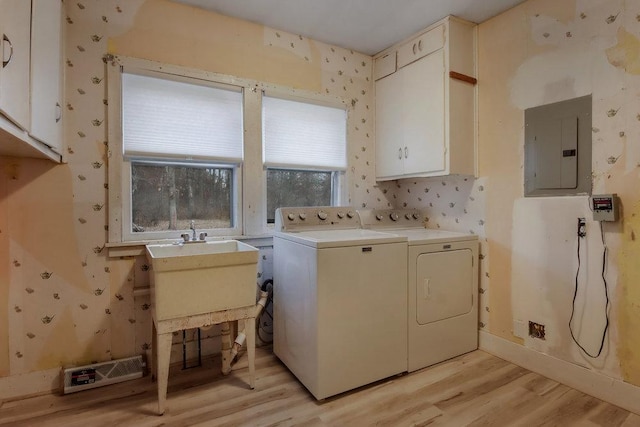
x: 22, y: 385
x: 606, y: 388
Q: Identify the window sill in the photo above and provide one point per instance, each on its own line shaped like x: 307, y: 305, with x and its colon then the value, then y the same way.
x: 137, y: 247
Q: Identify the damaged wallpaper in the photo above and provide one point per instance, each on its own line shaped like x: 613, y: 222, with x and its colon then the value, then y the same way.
x: 64, y: 301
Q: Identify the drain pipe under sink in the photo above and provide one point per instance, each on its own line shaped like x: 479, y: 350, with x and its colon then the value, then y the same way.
x: 229, y: 352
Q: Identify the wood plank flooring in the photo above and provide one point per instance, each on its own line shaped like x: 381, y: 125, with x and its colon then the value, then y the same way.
x: 476, y: 389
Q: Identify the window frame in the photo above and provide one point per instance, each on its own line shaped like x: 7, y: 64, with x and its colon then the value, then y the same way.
x: 250, y: 176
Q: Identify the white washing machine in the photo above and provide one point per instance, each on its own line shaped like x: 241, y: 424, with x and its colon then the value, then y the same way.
x: 442, y: 273
x: 339, y: 299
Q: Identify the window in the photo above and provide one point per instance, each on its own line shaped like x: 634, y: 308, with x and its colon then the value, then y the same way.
x: 288, y: 187
x: 168, y: 196
x: 195, y: 145
x: 182, y: 146
x: 304, y: 153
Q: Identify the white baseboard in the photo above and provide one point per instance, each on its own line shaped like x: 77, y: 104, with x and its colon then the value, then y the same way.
x: 609, y: 389
x: 23, y: 385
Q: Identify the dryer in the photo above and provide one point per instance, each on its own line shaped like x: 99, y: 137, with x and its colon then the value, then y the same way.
x: 442, y: 271
x: 339, y: 299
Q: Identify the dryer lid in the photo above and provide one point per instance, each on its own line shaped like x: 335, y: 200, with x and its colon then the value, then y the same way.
x: 425, y: 236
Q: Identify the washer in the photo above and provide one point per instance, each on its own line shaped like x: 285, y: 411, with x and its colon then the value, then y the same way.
x: 340, y: 299
x: 442, y: 273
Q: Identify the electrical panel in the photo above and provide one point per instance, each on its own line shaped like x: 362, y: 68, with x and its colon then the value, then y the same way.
x: 605, y: 207
x: 558, y: 148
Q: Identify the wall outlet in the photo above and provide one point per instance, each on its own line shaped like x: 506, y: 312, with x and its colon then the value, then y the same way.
x: 536, y: 330
x: 582, y: 227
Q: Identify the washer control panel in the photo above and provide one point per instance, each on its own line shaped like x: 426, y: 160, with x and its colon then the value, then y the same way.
x: 391, y: 218
x: 316, y: 218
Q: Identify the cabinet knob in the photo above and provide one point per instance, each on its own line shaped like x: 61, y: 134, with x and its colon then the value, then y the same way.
x: 400, y: 153
x: 406, y: 152
x: 420, y: 45
x: 414, y: 49
x: 58, y: 112
x: 5, y: 40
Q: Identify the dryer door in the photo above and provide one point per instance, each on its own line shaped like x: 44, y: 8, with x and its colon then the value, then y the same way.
x: 444, y: 285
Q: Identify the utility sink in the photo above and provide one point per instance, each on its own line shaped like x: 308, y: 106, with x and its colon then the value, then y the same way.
x: 196, y: 278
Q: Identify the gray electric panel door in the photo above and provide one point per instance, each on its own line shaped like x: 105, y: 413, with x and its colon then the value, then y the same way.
x: 558, y: 148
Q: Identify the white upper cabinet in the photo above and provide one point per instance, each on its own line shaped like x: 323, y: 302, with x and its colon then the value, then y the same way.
x: 15, y: 24
x: 46, y: 73
x: 31, y: 78
x: 421, y: 46
x: 425, y: 107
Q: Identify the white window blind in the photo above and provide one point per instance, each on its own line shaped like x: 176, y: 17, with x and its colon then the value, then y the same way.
x: 299, y: 134
x: 167, y: 118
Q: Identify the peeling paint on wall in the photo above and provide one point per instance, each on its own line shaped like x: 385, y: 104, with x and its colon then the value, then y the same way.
x: 629, y: 297
x: 626, y: 54
x: 562, y: 50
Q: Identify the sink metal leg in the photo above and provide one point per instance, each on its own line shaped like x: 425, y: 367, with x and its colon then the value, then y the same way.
x: 250, y: 331
x: 162, y: 365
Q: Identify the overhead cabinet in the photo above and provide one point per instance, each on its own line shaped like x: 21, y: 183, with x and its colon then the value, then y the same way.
x: 31, y: 79
x: 15, y: 24
x: 425, y: 104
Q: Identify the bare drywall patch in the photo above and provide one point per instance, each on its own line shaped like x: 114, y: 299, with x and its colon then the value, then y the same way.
x: 626, y: 53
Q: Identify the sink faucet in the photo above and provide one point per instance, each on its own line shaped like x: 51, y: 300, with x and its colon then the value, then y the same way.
x: 193, y: 238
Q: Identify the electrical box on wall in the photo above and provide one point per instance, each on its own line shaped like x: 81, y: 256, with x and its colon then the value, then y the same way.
x: 605, y: 207
x: 558, y: 148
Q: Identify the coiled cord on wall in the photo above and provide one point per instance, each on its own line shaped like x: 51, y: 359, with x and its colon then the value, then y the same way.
x: 606, y: 293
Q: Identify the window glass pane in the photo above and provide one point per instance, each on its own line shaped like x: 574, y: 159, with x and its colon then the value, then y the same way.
x: 297, y: 188
x: 168, y: 196
x: 167, y: 118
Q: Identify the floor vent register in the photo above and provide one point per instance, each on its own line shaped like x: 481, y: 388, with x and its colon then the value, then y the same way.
x: 100, y: 374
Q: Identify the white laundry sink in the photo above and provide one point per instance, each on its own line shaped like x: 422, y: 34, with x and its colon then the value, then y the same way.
x: 204, y: 277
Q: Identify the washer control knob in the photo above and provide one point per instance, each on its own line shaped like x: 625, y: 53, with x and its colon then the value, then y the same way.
x: 322, y: 215
x: 393, y: 216
x: 303, y: 216
x: 379, y: 217
x: 416, y: 216
x: 407, y: 216
x: 291, y: 217
x: 340, y: 214
x: 350, y: 214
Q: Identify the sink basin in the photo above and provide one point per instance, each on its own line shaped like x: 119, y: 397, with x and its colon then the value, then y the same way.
x: 197, y: 278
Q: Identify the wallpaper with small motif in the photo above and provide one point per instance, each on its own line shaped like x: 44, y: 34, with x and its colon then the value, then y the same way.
x: 70, y: 303
x: 64, y: 301
x: 453, y: 203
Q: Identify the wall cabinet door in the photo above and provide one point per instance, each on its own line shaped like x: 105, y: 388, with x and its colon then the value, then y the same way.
x: 424, y: 115
x: 424, y: 111
x: 46, y: 72
x: 389, y: 123
x: 410, y: 119
x: 15, y: 25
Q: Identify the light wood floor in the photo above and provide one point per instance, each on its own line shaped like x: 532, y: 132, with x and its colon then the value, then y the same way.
x: 476, y: 389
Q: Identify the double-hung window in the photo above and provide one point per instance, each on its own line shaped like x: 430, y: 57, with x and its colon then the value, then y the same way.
x: 182, y: 150
x: 224, y: 152
x: 304, y: 146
